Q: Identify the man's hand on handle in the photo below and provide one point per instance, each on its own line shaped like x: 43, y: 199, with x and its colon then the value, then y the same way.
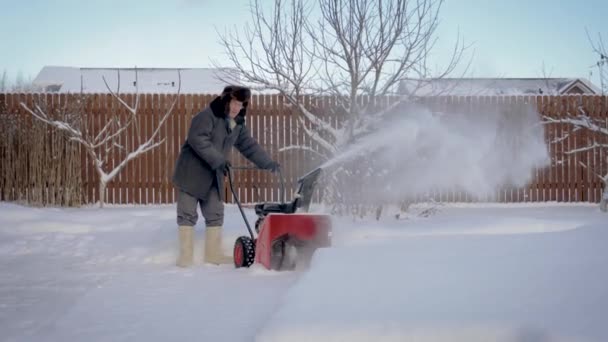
x: 226, y: 167
x: 274, y: 167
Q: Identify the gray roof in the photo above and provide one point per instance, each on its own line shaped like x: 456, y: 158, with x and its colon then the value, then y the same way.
x: 497, y: 86
x: 150, y: 80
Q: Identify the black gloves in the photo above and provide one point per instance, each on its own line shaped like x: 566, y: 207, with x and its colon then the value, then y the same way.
x: 274, y: 167
x: 225, y: 167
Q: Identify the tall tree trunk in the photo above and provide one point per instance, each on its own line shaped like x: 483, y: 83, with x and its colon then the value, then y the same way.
x: 102, y: 193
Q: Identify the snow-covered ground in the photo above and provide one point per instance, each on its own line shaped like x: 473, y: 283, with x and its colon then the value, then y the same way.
x: 521, y: 273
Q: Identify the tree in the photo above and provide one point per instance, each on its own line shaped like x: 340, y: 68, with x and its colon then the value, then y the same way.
x: 21, y: 84
x: 356, y: 51
x: 602, y: 64
x: 105, y: 143
x: 3, y: 82
x: 596, y: 128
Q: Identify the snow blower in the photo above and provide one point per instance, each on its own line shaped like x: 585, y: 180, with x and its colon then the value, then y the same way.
x: 287, y: 234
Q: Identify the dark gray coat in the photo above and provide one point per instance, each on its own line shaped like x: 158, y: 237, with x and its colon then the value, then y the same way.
x: 199, y: 165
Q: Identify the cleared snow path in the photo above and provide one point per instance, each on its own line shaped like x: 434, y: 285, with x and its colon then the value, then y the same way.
x: 101, y: 275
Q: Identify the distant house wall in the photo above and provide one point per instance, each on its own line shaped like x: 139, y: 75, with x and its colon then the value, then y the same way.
x: 131, y: 80
x: 497, y: 87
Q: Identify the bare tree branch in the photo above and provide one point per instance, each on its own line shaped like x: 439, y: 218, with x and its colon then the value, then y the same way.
x: 116, y: 95
x: 580, y: 121
x: 602, y: 64
x: 302, y: 148
x: 352, y: 50
x: 586, y: 148
x: 598, y: 128
x: 315, y: 136
x: 75, y: 135
x: 103, y: 146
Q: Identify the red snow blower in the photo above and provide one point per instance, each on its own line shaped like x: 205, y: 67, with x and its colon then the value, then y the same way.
x: 287, y: 235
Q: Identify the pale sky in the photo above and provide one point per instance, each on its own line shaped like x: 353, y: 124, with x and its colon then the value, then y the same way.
x: 510, y: 38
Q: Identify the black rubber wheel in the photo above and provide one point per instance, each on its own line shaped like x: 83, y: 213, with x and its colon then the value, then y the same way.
x: 244, y: 252
x: 258, y: 224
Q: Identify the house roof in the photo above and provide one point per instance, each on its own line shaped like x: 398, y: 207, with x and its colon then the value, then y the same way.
x: 497, y: 86
x: 150, y: 80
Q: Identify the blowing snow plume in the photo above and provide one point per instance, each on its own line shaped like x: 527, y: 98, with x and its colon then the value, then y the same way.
x: 415, y: 151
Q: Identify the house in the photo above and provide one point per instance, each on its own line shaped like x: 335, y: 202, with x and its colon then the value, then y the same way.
x: 61, y: 79
x: 497, y: 86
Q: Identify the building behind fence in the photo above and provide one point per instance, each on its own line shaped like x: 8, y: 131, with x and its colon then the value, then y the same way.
x: 40, y: 166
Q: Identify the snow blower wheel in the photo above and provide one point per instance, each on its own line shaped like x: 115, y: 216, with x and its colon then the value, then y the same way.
x: 244, y: 252
x: 284, y: 229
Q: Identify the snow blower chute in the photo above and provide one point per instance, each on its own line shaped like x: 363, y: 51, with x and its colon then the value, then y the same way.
x: 287, y: 234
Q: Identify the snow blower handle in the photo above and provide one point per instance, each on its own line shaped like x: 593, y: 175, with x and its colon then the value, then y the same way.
x: 238, y: 203
x: 236, y: 197
x: 255, y: 168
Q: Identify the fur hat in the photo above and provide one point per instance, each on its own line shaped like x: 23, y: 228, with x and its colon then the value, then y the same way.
x: 233, y: 92
x: 221, y: 104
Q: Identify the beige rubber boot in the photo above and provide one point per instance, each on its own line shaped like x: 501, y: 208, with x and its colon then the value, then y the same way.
x: 186, y: 246
x: 213, y: 247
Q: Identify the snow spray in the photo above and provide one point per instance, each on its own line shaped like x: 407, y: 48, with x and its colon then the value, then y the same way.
x: 414, y: 151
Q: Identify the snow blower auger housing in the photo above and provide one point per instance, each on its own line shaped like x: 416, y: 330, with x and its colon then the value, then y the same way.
x: 287, y: 234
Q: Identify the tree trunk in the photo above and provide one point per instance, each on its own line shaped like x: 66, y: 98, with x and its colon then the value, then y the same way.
x: 102, y: 193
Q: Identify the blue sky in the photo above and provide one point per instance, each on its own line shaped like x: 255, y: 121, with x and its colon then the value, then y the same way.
x: 510, y: 38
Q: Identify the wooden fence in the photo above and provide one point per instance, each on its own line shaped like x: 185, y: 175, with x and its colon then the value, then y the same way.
x: 147, y: 180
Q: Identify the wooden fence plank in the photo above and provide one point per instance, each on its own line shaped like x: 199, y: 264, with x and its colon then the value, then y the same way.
x: 602, y: 159
x: 149, y: 168
x: 165, y: 151
x: 596, y: 164
x: 95, y: 127
x: 156, y: 165
x: 554, y: 151
x: 573, y: 159
x: 106, y: 117
x: 123, y: 177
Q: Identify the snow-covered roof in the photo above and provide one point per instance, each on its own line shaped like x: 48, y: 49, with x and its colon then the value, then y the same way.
x: 497, y: 86
x: 150, y: 80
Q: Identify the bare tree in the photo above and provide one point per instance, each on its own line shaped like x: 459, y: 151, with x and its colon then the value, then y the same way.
x: 582, y: 121
x: 546, y: 77
x: 104, y: 144
x: 599, y: 136
x: 357, y: 51
x: 602, y: 64
x: 3, y: 82
x: 22, y: 84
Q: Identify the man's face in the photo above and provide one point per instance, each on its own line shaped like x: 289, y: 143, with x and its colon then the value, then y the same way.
x: 235, y: 108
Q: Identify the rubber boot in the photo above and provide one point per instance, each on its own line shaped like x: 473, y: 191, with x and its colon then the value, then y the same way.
x: 186, y: 246
x: 213, y: 247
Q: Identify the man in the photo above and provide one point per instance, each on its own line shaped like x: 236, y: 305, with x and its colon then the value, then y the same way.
x: 201, y: 167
